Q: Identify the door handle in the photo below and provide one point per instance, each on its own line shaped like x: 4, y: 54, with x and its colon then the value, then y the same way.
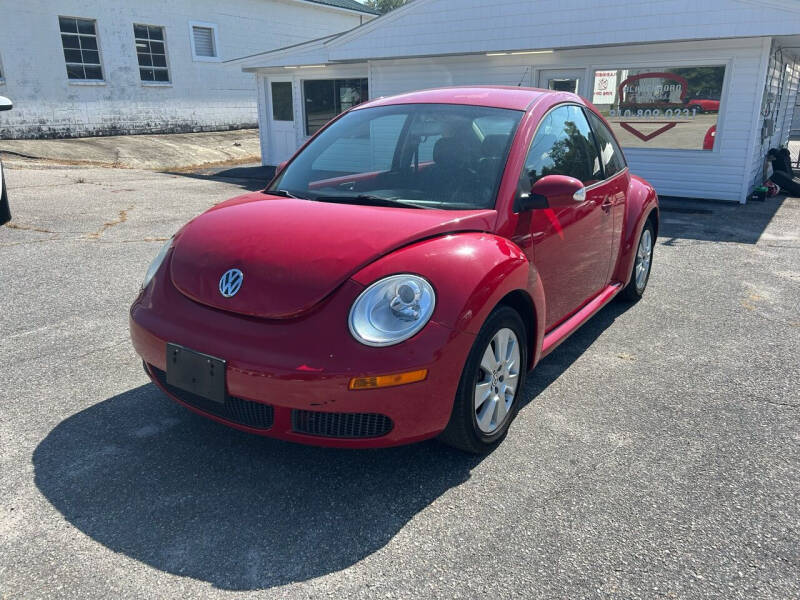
x: 607, y: 202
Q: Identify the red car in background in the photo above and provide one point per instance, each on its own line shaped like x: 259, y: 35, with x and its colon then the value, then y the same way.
x: 402, y: 273
x: 703, y: 105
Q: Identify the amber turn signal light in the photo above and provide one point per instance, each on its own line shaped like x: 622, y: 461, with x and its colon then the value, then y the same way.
x: 382, y: 381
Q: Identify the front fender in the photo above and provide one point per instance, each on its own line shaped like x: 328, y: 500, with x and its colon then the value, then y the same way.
x: 642, y: 201
x: 471, y: 273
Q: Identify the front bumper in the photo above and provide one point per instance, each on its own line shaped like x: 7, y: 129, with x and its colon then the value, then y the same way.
x: 301, y: 368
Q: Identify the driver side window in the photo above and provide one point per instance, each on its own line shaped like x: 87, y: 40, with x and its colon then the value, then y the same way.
x: 563, y: 145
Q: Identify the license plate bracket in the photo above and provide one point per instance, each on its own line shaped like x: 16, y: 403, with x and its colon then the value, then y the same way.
x: 197, y: 373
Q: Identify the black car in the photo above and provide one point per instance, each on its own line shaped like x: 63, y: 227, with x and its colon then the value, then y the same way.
x: 5, y: 209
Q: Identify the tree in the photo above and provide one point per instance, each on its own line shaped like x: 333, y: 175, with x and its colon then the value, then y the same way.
x: 385, y: 6
x: 703, y: 82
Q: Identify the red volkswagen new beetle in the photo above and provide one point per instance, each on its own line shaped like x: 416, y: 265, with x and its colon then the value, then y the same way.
x: 402, y: 272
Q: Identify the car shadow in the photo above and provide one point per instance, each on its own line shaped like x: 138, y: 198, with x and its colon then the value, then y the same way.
x: 149, y: 479
x: 251, y: 178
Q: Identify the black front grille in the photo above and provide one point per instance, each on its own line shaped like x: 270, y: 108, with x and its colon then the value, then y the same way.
x: 340, y: 425
x: 236, y: 410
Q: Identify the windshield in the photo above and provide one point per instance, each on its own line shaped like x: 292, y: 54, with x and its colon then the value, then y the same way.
x: 416, y: 155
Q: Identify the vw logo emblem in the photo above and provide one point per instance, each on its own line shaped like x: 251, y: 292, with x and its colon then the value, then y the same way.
x: 230, y: 282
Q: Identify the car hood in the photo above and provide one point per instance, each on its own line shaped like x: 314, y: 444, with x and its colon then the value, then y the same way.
x: 294, y: 253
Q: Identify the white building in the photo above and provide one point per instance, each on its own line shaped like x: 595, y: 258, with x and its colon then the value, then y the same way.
x: 696, y: 91
x: 99, y: 67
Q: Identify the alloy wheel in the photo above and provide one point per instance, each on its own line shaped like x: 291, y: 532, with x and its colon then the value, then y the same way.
x: 643, y: 256
x: 498, y: 377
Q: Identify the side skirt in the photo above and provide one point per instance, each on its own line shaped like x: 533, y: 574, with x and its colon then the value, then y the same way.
x: 568, y: 327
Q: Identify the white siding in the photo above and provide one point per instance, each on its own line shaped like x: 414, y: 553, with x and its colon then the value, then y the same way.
x: 398, y: 76
x: 435, y: 27
x: 201, y: 96
x: 721, y: 174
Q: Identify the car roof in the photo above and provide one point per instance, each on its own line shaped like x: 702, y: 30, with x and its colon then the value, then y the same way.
x: 515, y: 98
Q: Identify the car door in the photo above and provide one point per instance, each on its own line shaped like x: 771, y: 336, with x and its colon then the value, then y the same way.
x: 572, y: 244
x: 616, y: 181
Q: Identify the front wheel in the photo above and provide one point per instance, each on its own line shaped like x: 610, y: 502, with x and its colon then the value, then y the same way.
x: 491, y: 384
x: 640, y: 274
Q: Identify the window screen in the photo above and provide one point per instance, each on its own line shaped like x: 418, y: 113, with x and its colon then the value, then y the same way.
x: 81, y: 53
x: 204, y: 41
x: 151, y: 52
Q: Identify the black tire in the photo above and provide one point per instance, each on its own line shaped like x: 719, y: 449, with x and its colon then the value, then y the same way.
x: 462, y: 431
x: 633, y: 292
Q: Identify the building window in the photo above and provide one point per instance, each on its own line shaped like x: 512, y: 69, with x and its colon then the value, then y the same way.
x: 81, y: 52
x: 326, y: 98
x: 661, y: 107
x: 282, y: 101
x: 205, y: 42
x: 152, y: 53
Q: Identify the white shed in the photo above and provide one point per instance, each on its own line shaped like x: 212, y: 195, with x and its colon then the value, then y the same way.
x: 696, y: 91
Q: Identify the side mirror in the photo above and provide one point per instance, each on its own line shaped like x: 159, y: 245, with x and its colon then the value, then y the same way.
x: 5, y: 103
x: 553, y: 191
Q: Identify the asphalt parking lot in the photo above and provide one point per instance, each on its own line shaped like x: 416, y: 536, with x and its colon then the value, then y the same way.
x: 657, y: 454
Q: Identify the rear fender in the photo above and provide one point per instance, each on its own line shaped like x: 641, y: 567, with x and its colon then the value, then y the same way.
x: 471, y: 273
x: 642, y: 202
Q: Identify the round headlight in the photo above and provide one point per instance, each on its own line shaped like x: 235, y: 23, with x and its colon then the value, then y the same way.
x: 153, y: 268
x: 391, y: 310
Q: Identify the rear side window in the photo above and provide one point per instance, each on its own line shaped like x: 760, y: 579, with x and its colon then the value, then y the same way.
x: 610, y: 154
x: 563, y: 145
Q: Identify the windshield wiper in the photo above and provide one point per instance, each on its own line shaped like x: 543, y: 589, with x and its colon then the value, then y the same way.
x: 284, y: 193
x: 368, y: 200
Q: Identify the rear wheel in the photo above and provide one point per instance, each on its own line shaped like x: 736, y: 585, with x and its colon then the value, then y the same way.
x: 488, y: 393
x: 640, y: 274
